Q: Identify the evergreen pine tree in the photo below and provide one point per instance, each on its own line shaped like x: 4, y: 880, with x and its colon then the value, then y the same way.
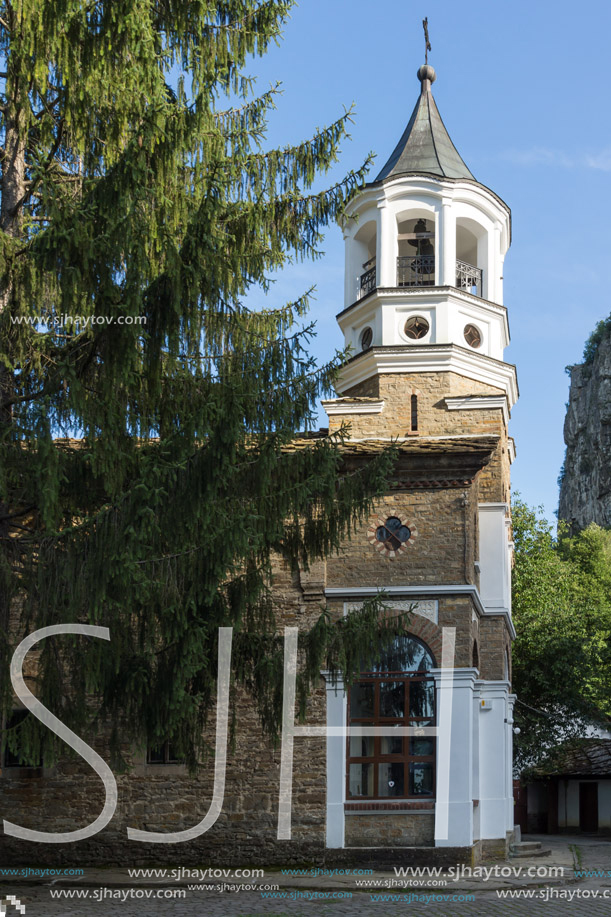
x: 149, y: 469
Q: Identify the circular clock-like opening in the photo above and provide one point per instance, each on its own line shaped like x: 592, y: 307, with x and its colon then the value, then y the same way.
x: 416, y: 327
x: 366, y: 338
x: 473, y: 336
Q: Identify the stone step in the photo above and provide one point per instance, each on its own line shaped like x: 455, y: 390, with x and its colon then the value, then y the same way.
x: 528, y: 849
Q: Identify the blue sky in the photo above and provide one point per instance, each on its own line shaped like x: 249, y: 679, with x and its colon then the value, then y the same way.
x: 524, y: 90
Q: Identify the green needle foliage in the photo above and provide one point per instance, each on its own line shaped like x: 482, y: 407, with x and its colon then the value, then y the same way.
x: 148, y: 474
x: 562, y: 654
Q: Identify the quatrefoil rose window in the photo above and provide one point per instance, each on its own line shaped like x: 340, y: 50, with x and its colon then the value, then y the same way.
x: 391, y: 535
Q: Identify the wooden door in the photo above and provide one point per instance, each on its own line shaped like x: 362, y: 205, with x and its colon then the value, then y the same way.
x: 588, y: 807
x: 520, y: 806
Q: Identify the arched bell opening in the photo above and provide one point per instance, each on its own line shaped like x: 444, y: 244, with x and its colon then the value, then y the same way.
x: 416, y: 250
x: 470, y: 256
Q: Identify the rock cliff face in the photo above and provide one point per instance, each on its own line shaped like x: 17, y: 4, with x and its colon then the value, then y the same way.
x: 585, y: 491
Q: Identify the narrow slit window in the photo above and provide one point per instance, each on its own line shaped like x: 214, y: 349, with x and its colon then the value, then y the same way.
x: 414, y: 413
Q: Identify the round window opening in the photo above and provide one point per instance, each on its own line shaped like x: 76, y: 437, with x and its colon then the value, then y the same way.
x: 366, y: 338
x: 416, y: 327
x: 393, y: 534
x: 473, y: 336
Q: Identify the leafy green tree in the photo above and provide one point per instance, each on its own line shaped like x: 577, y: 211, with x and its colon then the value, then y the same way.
x: 562, y: 613
x: 602, y: 330
x: 148, y: 473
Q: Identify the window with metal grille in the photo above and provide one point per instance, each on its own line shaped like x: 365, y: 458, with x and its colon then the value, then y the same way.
x: 163, y: 754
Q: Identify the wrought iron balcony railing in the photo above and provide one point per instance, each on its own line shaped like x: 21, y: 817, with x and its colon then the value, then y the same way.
x: 368, y: 279
x: 469, y: 278
x: 419, y: 271
x: 416, y: 272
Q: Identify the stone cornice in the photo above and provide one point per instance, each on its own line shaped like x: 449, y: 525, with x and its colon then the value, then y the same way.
x: 352, y: 406
x: 478, y: 402
x: 352, y: 592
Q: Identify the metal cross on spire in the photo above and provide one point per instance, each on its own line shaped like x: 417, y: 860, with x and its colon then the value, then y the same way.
x: 427, y: 44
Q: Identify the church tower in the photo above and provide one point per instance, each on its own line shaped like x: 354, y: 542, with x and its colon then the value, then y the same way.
x: 424, y: 318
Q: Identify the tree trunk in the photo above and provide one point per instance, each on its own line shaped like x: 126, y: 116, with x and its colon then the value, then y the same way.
x: 11, y: 222
x: 13, y: 189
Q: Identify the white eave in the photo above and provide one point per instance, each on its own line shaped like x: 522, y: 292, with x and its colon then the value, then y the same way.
x: 479, y: 402
x: 352, y: 406
x: 428, y: 358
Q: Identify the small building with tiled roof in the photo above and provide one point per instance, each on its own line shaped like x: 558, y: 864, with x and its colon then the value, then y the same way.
x: 571, y: 791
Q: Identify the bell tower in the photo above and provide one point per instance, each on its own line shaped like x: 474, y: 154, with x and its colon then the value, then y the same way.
x: 424, y: 319
x: 425, y: 246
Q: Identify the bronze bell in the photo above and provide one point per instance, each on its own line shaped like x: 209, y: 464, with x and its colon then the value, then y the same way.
x: 423, y: 246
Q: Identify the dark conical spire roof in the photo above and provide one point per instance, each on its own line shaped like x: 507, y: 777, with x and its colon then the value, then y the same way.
x: 425, y: 145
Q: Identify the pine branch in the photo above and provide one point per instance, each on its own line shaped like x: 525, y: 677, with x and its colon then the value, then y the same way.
x: 45, y: 166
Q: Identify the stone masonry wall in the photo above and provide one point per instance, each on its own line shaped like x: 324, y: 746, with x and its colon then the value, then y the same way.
x: 395, y: 830
x: 443, y: 548
x: 434, y: 418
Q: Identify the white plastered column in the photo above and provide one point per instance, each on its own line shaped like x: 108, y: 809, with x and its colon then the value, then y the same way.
x: 447, y: 244
x: 386, y: 246
x: 495, y: 760
x: 510, y: 819
x: 493, y: 266
x: 494, y: 559
x: 336, y: 762
x: 350, y: 281
x: 476, y: 784
x: 454, y: 792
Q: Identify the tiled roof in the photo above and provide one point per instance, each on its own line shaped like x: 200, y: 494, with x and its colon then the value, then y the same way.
x: 582, y: 758
x: 432, y: 445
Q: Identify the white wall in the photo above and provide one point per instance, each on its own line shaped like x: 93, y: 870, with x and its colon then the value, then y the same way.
x: 494, y: 557
x: 495, y: 765
x: 568, y: 803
